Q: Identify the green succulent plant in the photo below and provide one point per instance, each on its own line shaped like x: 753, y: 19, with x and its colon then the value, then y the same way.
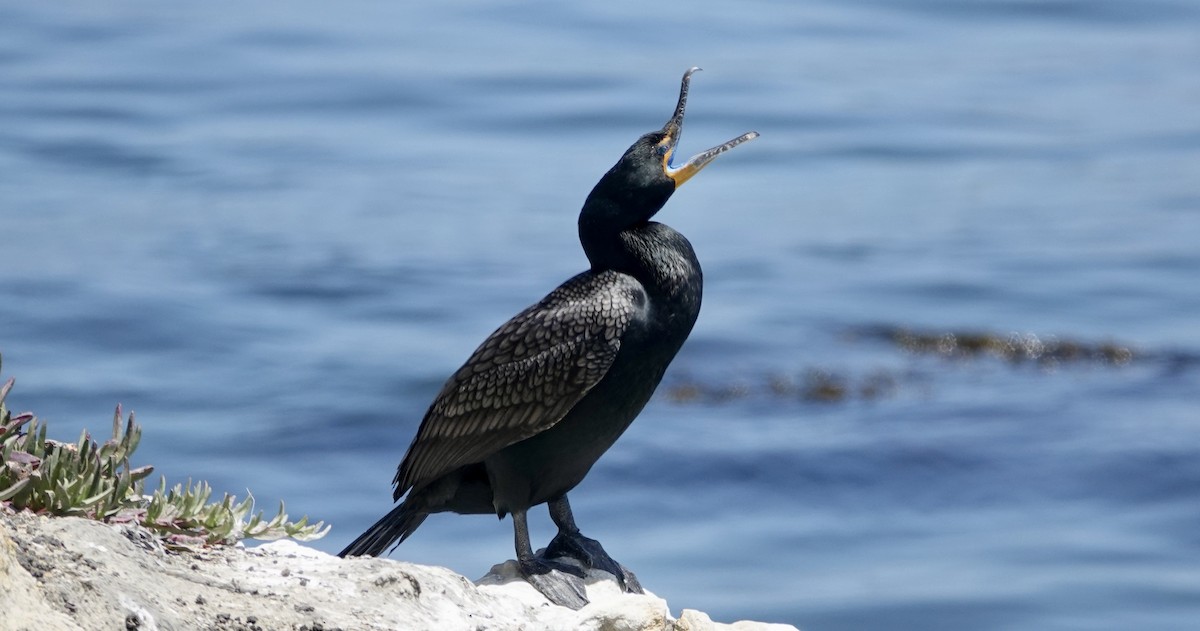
x: 89, y: 479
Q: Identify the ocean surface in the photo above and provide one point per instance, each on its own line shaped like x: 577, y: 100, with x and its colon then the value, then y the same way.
x: 273, y: 229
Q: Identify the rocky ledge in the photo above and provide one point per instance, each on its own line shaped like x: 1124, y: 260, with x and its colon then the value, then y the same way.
x: 66, y: 573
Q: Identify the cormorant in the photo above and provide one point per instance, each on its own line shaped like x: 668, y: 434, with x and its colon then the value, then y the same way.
x: 549, y: 392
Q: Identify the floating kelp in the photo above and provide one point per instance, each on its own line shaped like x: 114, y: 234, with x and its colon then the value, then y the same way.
x: 1012, y: 347
x: 822, y: 385
x: 814, y: 385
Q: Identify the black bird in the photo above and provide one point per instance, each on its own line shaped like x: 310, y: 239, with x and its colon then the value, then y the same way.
x: 549, y: 392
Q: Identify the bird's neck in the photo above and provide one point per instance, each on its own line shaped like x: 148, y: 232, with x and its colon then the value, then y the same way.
x: 660, y: 258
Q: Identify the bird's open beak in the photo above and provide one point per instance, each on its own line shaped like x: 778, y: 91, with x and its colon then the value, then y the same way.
x: 674, y: 128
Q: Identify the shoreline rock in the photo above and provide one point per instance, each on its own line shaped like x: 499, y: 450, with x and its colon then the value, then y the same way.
x: 64, y: 573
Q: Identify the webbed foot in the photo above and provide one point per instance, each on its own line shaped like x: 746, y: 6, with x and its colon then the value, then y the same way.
x: 591, y: 554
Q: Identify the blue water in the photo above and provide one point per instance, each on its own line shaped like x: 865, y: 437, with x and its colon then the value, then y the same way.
x: 274, y: 228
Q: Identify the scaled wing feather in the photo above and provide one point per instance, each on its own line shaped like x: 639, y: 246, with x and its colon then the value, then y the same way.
x: 525, y: 377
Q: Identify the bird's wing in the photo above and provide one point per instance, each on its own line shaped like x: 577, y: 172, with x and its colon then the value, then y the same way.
x: 525, y: 377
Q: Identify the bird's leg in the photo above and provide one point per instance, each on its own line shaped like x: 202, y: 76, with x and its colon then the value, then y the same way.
x: 569, y: 542
x: 560, y: 582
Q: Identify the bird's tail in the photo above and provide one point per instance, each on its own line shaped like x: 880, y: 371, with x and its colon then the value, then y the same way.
x: 394, y: 528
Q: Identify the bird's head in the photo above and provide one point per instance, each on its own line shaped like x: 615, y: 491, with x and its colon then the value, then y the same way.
x: 642, y: 181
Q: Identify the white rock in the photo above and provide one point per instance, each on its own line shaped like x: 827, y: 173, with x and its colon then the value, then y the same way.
x: 59, y: 574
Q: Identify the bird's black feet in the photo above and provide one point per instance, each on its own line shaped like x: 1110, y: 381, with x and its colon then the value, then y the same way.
x: 591, y: 554
x: 562, y: 583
